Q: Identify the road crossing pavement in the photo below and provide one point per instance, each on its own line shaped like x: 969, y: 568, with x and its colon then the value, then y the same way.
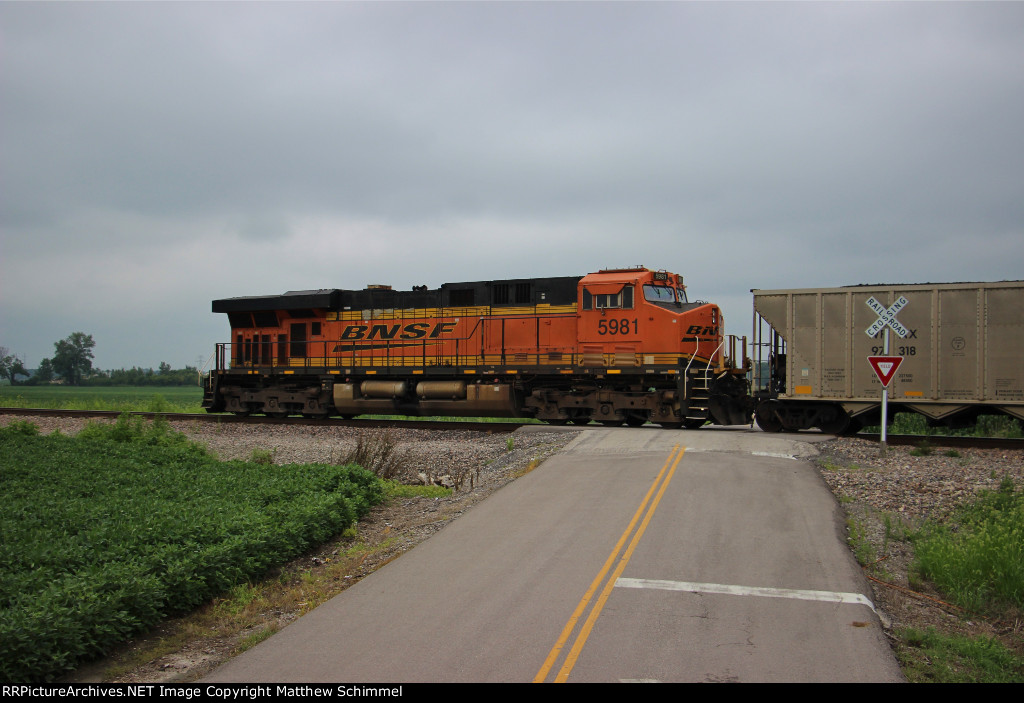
x: 635, y: 554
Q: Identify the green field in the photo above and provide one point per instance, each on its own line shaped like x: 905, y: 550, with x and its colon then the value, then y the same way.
x: 174, y: 399
x: 108, y: 532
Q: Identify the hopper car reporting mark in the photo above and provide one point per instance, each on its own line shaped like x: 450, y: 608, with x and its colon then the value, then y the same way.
x: 620, y: 346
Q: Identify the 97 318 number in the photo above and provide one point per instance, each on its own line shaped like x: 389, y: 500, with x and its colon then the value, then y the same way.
x: 902, y: 351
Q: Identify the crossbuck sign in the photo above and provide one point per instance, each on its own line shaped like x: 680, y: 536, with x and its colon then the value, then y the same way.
x: 887, y: 317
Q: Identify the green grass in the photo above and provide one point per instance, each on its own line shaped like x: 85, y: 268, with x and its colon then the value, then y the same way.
x: 859, y: 543
x: 977, y: 559
x: 923, y: 448
x: 176, y: 399
x: 932, y: 657
x: 108, y: 532
x: 393, y: 489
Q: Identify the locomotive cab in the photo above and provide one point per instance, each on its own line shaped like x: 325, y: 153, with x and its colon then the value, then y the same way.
x: 641, y: 318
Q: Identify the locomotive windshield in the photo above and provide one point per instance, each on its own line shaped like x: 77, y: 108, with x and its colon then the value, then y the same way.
x: 659, y: 294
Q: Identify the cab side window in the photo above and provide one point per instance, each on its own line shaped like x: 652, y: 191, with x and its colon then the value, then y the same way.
x: 621, y: 300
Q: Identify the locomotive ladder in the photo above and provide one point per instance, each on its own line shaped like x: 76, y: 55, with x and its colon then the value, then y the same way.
x: 699, y: 398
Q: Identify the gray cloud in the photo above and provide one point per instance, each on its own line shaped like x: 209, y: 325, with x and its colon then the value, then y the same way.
x: 154, y: 156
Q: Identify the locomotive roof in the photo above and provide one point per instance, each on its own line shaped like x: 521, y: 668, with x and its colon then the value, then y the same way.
x: 514, y: 291
x: 292, y: 300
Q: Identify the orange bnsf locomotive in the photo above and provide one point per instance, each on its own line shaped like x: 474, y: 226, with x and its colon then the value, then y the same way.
x: 618, y: 346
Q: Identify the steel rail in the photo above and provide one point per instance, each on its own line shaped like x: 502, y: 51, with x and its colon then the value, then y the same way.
x: 469, y: 425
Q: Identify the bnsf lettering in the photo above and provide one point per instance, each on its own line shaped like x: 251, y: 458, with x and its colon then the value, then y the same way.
x: 442, y: 328
x: 383, y: 331
x: 416, y: 330
x: 706, y: 331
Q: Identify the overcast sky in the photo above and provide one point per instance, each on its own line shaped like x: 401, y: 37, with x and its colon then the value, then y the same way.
x: 157, y: 156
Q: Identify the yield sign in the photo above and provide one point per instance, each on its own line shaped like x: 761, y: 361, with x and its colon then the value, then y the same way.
x: 885, y: 367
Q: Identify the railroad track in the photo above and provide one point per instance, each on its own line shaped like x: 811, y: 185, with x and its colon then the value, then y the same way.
x: 470, y: 425
x: 949, y: 441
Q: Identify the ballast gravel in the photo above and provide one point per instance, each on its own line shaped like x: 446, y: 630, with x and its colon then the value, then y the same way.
x: 905, y: 481
x: 456, y: 458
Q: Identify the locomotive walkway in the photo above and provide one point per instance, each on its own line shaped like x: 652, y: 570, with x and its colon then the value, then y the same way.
x: 634, y: 555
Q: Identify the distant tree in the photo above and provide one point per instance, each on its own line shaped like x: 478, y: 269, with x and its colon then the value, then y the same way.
x: 136, y: 376
x: 73, y: 357
x: 44, y: 374
x: 11, y: 366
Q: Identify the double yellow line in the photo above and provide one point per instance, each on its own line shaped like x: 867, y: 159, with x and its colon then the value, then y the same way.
x: 658, y: 487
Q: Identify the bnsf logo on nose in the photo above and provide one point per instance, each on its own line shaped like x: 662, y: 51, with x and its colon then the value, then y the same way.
x: 697, y: 329
x: 416, y: 330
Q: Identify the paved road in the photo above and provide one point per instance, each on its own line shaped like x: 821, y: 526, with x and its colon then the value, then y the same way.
x: 624, y: 558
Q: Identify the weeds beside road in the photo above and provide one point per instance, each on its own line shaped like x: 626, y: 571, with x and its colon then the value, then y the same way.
x: 918, y: 518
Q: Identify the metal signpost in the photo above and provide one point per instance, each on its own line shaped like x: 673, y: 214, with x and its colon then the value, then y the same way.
x: 885, y: 366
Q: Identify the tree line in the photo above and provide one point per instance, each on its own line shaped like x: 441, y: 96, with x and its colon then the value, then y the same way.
x: 71, y: 364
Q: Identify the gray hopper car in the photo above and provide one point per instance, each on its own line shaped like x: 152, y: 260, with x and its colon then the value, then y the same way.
x: 963, y: 354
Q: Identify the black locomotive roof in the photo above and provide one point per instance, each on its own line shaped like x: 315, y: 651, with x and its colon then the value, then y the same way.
x: 514, y: 291
x: 292, y: 300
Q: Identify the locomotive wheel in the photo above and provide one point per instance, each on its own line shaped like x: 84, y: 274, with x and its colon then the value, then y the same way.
x: 612, y: 423
x: 558, y: 421
x: 241, y: 413
x: 278, y: 414
x: 636, y: 420
x: 693, y: 424
x: 671, y: 425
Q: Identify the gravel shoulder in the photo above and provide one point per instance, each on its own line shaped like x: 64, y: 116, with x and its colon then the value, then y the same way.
x: 883, y: 496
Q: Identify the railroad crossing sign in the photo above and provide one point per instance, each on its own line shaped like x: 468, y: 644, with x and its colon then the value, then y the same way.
x: 885, y: 367
x: 887, y: 317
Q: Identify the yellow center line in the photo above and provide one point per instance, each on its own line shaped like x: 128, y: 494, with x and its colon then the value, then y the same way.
x: 584, y: 602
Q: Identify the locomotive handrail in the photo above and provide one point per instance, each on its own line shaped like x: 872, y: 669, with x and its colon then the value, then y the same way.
x: 225, y: 357
x: 686, y: 371
x: 711, y: 358
x: 319, y: 354
x: 202, y: 370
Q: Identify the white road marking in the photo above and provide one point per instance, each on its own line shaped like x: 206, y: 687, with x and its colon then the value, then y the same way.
x: 826, y: 596
x: 777, y: 455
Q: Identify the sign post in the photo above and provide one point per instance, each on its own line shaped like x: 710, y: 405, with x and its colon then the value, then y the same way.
x: 885, y: 366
